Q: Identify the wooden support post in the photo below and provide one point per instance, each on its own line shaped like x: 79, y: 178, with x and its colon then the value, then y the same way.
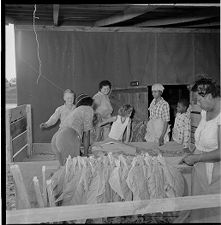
x: 29, y: 129
x: 38, y: 192
x: 44, y: 186
x: 55, y: 14
x: 21, y: 193
x: 9, y: 152
x: 50, y: 194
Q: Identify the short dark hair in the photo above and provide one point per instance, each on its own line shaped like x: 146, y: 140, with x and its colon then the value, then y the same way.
x: 185, y: 102
x: 205, y: 85
x: 85, y: 101
x: 104, y: 83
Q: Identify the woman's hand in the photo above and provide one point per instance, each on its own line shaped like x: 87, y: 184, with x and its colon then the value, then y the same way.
x: 43, y: 125
x: 190, y: 159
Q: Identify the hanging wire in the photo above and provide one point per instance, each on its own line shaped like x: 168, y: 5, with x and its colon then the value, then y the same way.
x: 38, y: 54
x: 36, y: 37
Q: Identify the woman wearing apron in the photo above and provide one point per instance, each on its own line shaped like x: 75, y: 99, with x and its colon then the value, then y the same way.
x: 157, y: 127
x: 206, y: 158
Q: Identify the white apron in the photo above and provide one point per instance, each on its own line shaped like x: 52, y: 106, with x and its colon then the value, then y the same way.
x: 154, y: 131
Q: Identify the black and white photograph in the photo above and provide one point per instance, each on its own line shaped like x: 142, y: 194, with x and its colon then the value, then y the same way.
x: 112, y: 113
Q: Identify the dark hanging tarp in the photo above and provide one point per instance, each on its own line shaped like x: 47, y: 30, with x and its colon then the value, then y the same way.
x: 80, y: 60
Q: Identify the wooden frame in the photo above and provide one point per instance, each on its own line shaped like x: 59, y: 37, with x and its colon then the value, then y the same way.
x: 113, y: 29
x: 78, y: 212
x: 18, y: 133
x: 66, y: 213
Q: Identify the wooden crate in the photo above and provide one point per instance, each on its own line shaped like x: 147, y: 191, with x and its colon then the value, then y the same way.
x: 18, y: 133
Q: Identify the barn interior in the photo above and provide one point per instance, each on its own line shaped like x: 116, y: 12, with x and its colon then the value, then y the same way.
x: 75, y: 46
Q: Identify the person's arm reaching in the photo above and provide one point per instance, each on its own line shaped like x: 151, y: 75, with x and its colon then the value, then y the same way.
x: 213, y: 156
x: 110, y: 120
x: 52, y: 120
x: 128, y: 131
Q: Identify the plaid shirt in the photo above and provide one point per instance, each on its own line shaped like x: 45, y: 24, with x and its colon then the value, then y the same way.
x: 159, y: 110
x: 181, y: 130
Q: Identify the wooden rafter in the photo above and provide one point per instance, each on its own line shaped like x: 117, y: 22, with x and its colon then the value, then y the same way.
x: 169, y: 21
x: 129, y: 13
x: 208, y: 24
x: 55, y: 14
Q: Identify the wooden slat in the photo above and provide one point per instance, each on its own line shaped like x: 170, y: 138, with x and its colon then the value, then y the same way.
x: 18, y: 127
x: 127, y: 14
x: 19, y: 142
x: 9, y: 152
x: 114, y: 29
x: 130, y: 89
x: 38, y: 192
x: 18, y: 112
x: 21, y: 154
x: 29, y: 129
x: 66, y: 213
x: 21, y: 192
x: 170, y: 21
x: 42, y: 148
x: 21, y: 150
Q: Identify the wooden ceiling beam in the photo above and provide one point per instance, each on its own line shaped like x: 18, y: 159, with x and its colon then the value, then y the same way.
x: 210, y: 24
x: 127, y: 14
x: 169, y: 21
x: 56, y: 14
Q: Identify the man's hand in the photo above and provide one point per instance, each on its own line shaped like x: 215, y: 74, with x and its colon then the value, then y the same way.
x: 43, y: 125
x: 161, y: 141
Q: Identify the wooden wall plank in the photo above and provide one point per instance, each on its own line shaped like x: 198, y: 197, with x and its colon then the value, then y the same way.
x: 136, y: 96
x: 114, y: 29
x: 66, y: 213
x: 9, y: 152
x: 18, y: 127
x: 21, y: 155
x: 18, y: 112
x: 19, y: 142
x: 42, y: 148
x: 29, y: 129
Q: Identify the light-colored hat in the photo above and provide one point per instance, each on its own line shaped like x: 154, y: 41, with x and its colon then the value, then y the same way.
x: 157, y: 87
